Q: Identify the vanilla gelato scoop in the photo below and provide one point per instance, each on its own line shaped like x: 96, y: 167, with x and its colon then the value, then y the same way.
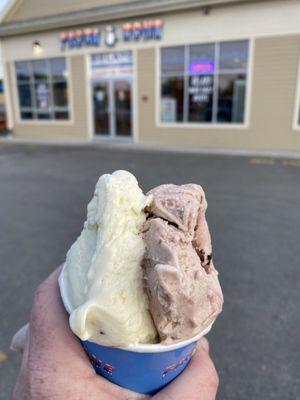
x: 180, y: 279
x: 103, y: 274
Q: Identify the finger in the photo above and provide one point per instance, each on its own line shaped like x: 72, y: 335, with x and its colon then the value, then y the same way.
x: 19, y: 338
x: 49, y: 326
x: 199, y: 381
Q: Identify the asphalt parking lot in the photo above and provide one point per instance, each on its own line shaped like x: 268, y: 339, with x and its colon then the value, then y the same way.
x: 254, y: 217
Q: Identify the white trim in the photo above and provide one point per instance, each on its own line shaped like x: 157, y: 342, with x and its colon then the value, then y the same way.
x: 7, y: 94
x: 198, y: 125
x: 89, y: 104
x: 134, y: 100
x: 296, y: 111
x: 16, y: 102
x: 70, y: 92
x: 250, y: 73
x: 157, y: 86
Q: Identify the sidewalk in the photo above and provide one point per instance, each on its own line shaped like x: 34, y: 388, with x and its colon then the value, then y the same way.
x: 155, y: 147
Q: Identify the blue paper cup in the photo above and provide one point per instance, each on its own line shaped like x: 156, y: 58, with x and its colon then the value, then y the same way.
x: 143, y: 368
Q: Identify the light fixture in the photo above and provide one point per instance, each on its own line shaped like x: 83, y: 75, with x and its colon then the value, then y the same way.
x: 206, y: 10
x: 37, y: 48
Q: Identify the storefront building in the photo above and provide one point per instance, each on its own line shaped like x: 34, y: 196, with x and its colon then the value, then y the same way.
x: 182, y: 73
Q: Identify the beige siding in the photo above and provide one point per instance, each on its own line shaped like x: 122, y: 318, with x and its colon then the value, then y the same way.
x: 76, y: 129
x: 271, y: 106
x: 40, y: 8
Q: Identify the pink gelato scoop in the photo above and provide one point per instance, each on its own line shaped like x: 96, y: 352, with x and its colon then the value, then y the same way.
x: 182, y: 284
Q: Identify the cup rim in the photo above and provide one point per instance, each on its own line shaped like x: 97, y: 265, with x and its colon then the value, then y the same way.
x: 137, y: 348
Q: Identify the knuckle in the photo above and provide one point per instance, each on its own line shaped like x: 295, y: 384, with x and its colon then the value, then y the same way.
x: 213, y: 377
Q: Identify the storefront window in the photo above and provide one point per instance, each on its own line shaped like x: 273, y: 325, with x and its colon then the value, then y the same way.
x: 172, y: 84
x: 173, y: 60
x: 22, y: 70
x: 42, y: 89
x: 231, y: 98
x: 204, y: 83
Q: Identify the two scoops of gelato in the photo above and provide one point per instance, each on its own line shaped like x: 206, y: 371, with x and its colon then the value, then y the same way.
x: 141, y: 271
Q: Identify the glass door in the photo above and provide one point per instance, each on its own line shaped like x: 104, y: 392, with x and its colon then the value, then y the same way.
x: 112, y: 108
x: 101, y: 108
x: 122, y: 107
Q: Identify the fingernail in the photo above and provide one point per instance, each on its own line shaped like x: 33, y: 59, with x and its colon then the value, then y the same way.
x: 18, y: 341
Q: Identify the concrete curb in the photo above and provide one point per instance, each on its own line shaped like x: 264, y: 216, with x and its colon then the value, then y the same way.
x: 154, y: 147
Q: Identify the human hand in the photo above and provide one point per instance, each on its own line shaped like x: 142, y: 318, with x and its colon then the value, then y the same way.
x: 55, y: 367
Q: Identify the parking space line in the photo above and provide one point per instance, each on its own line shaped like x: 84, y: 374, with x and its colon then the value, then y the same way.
x: 3, y: 356
x: 262, y: 161
x: 291, y: 163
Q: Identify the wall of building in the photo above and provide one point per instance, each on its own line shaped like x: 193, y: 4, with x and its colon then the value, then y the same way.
x: 258, y: 19
x: 274, y: 34
x: 77, y: 127
x: 270, y: 112
x: 27, y: 9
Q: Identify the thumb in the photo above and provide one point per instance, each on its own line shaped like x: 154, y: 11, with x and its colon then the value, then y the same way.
x: 199, y: 381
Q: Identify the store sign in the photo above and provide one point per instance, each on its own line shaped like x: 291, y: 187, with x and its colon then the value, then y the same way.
x: 79, y: 38
x: 116, y: 63
x: 116, y: 59
x: 145, y: 30
x: 129, y: 32
x: 203, y: 67
x: 201, y: 88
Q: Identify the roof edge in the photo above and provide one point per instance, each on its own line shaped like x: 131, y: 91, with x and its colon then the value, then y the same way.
x: 102, y: 14
x: 8, y: 8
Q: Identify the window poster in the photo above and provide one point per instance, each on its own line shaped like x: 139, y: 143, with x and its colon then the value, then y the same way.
x: 42, y: 96
x: 201, y: 88
x: 168, y: 109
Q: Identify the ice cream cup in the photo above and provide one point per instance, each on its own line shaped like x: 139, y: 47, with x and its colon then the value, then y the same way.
x: 143, y: 368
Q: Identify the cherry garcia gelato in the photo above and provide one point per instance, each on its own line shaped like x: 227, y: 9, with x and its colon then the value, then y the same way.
x: 180, y: 279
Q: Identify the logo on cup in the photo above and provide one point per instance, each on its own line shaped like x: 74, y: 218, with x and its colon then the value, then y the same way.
x: 99, y: 364
x: 180, y: 363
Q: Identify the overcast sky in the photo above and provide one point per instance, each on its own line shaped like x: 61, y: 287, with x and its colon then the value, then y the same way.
x: 2, y: 3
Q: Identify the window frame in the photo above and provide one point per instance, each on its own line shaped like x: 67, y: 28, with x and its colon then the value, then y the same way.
x: 207, y: 125
x: 296, y: 111
x: 35, y: 110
